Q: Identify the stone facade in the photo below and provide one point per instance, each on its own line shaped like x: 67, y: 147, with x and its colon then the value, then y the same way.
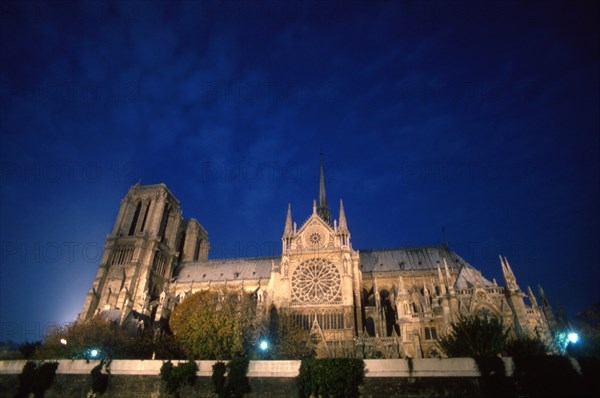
x: 390, y: 303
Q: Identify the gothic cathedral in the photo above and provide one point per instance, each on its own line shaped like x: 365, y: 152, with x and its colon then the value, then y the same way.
x: 390, y: 303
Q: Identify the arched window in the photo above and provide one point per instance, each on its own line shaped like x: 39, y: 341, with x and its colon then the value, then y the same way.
x: 370, y: 299
x: 384, y: 294
x: 197, y: 249
x: 430, y: 333
x: 163, y: 222
x: 390, y: 316
x: 364, y: 296
x: 134, y: 221
x: 181, y: 245
x: 145, y: 216
x: 370, y: 326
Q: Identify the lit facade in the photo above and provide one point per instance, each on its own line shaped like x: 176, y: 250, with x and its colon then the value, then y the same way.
x: 374, y: 303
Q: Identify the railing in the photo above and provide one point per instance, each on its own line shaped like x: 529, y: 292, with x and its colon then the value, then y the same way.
x: 314, y: 304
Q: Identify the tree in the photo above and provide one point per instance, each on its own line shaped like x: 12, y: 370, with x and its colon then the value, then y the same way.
x: 587, y: 325
x: 76, y: 339
x: 287, y: 338
x: 107, y: 338
x: 216, y: 325
x: 528, y: 347
x: 473, y: 336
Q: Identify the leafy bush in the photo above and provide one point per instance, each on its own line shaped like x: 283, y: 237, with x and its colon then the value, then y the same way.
x: 36, y: 379
x: 525, y: 347
x: 26, y: 379
x: 215, y: 324
x: 330, y: 377
x: 287, y: 338
x: 176, y: 377
x: 493, y: 381
x: 590, y: 369
x: 28, y: 349
x: 547, y: 376
x: 587, y: 325
x: 100, y: 379
x: 218, y: 378
x: 237, y: 383
x: 475, y: 337
x: 305, y: 381
x: 113, y: 342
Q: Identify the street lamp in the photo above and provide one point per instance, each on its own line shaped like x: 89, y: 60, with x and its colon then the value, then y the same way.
x: 264, y: 345
x: 573, y: 337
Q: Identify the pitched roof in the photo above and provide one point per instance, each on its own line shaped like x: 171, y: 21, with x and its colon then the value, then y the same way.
x: 372, y: 260
x: 409, y: 258
x: 227, y: 269
x: 468, y: 277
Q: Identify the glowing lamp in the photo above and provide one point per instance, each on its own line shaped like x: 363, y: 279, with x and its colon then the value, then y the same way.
x: 573, y: 337
x: 63, y: 341
x: 264, y: 345
x: 94, y: 353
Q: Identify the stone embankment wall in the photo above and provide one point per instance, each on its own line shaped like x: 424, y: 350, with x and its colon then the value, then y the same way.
x: 140, y: 378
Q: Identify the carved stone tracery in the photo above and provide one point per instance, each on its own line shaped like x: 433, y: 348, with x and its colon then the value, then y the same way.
x: 316, y: 281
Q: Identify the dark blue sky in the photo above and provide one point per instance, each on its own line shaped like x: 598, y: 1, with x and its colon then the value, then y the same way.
x: 479, y: 117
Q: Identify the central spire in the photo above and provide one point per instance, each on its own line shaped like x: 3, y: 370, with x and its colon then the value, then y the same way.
x: 323, y: 207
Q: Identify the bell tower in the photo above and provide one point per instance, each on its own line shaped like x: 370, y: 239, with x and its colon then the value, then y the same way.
x: 139, y: 255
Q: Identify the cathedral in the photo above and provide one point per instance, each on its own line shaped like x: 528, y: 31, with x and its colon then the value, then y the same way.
x: 373, y: 303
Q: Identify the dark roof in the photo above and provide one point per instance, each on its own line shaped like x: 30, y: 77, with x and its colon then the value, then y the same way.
x: 409, y: 258
x: 372, y: 260
x: 228, y: 269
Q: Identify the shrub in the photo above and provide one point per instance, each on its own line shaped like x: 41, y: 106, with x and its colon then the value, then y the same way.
x: 493, y: 381
x: 330, y: 377
x: 218, y: 378
x: 28, y: 349
x: 525, y: 347
x: 215, y: 324
x: 305, y: 381
x: 287, y: 338
x: 100, y: 379
x: 36, y: 379
x: 176, y: 377
x: 26, y: 380
x: 475, y: 337
x: 547, y: 376
x: 590, y: 369
x: 237, y: 383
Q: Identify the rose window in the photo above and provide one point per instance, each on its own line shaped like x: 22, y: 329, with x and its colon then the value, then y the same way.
x: 316, y: 281
x: 315, y: 238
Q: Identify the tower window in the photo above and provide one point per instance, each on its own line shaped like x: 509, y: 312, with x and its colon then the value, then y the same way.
x: 134, y: 221
x: 163, y: 222
x: 145, y: 216
x: 181, y: 245
x: 197, y: 249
